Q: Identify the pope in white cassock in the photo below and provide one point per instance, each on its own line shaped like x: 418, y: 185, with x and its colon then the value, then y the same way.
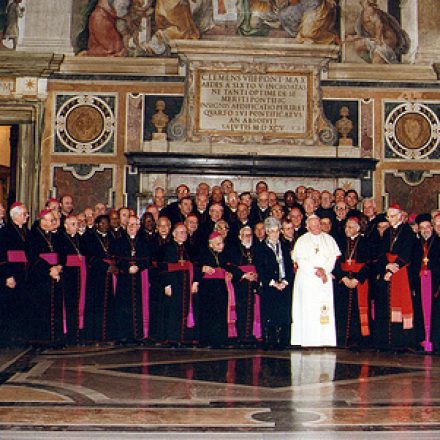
x: 313, y: 313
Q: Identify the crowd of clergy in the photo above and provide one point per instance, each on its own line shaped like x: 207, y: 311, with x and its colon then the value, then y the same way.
x: 220, y: 269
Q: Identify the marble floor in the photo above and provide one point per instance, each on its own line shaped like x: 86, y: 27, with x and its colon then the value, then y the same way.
x: 138, y: 392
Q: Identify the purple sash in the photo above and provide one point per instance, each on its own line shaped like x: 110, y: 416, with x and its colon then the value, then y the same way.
x: 256, y: 329
x: 231, y: 313
x: 80, y: 261
x: 50, y: 258
x: 426, y: 287
x: 16, y: 257
x: 145, y: 302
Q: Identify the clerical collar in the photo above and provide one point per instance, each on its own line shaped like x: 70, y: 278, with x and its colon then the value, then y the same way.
x: 354, y: 237
x: 247, y: 246
x: 396, y: 226
x: 102, y: 234
x: 132, y: 237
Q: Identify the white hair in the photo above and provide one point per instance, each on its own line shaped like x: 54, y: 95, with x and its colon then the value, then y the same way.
x: 271, y: 223
x: 16, y: 211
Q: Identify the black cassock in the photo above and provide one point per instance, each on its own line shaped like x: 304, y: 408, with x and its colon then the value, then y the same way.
x: 246, y: 294
x: 74, y: 278
x: 354, y: 264
x: 213, y: 300
x: 14, y: 325
x: 427, y: 257
x: 45, y: 293
x: 99, y: 320
x: 157, y: 244
x: 180, y: 309
x: 389, y: 332
x: 132, y: 293
x: 276, y: 306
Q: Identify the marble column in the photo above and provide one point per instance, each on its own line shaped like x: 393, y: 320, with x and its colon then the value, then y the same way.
x: 46, y: 27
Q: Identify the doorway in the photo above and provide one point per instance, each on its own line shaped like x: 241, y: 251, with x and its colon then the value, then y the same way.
x: 8, y: 163
x: 23, y: 121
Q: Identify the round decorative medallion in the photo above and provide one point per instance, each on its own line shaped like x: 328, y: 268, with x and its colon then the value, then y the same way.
x: 85, y: 124
x: 412, y: 131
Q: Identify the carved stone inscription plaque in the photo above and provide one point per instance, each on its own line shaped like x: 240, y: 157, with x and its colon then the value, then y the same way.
x: 277, y: 104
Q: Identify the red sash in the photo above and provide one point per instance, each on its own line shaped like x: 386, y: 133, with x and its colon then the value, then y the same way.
x: 182, y: 265
x: 16, y: 257
x: 362, y: 292
x: 80, y: 261
x: 401, y: 304
x: 231, y: 318
x: 256, y: 328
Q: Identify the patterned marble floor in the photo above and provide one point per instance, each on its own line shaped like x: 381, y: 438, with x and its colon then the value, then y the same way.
x: 138, y: 392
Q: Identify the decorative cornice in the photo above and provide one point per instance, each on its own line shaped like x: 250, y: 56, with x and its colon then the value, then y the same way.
x: 120, y: 66
x: 253, y: 165
x: 375, y: 73
x: 257, y: 46
x: 41, y: 65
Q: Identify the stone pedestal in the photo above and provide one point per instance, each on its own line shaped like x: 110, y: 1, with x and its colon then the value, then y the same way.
x: 47, y: 27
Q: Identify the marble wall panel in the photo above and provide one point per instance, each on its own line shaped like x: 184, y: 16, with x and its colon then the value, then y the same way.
x: 415, y: 190
x: 135, y: 118
x: 85, y: 124
x: 367, y: 128
x: 411, y: 130
x: 87, y: 183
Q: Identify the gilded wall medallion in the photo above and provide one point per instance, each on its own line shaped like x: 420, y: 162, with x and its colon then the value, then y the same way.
x: 85, y: 124
x: 411, y: 131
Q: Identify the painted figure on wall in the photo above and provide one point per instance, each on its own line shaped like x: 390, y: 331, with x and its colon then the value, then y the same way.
x: 310, y: 21
x: 146, y: 27
x: 103, y: 37
x: 114, y: 27
x: 379, y: 38
x: 10, y: 12
x: 173, y: 21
